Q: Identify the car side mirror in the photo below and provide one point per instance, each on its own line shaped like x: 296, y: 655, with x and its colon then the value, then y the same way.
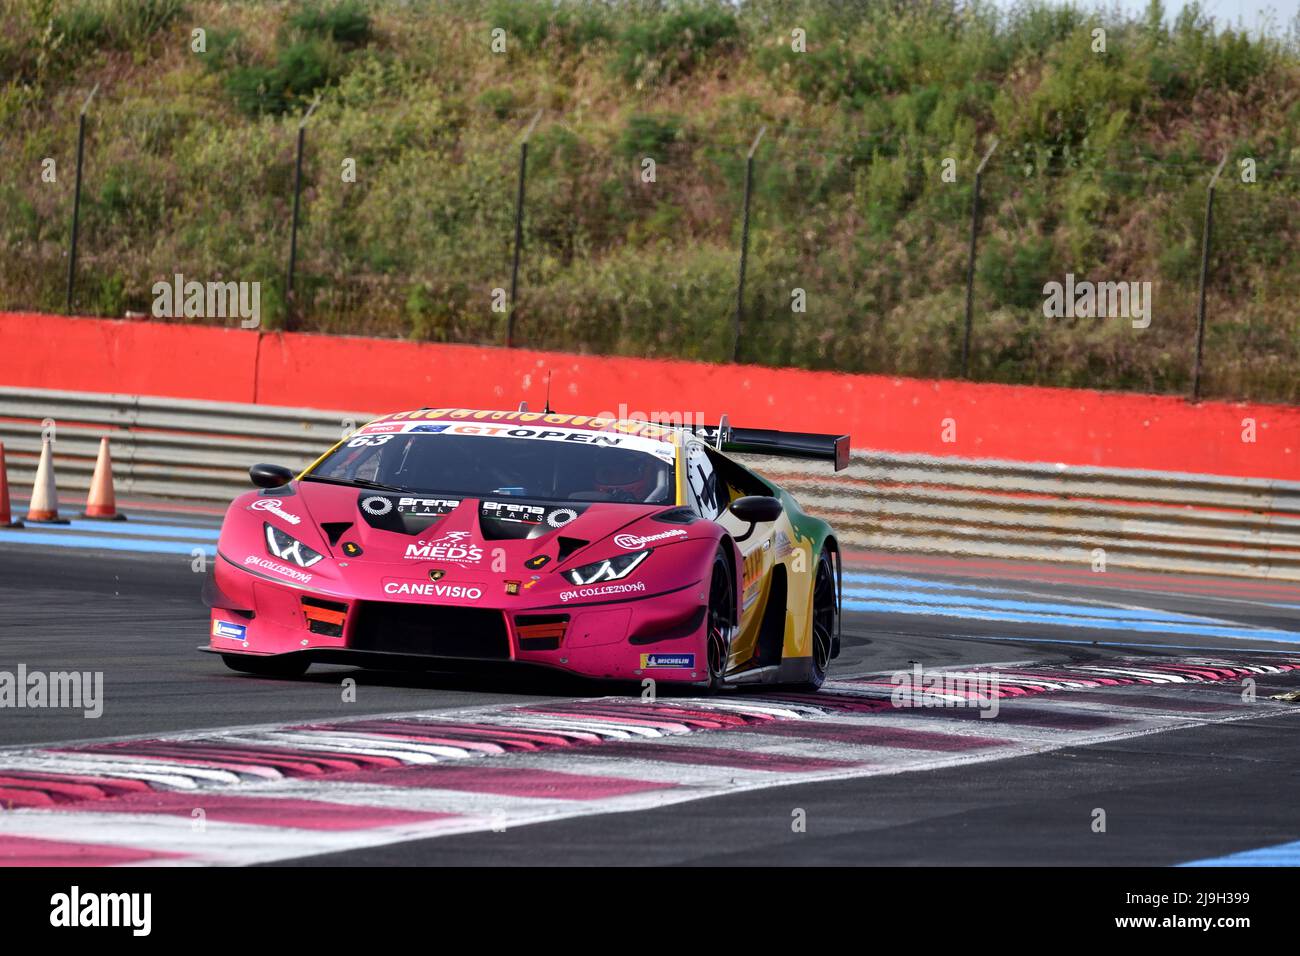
x: 756, y: 509
x: 270, y: 476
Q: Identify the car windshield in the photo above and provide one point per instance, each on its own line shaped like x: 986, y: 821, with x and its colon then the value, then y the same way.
x: 553, y: 464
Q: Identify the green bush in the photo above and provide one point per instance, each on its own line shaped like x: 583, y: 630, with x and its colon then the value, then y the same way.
x: 311, y: 54
x: 1014, y: 274
x: 1036, y: 27
x: 646, y: 135
x: 298, y: 73
x: 831, y: 74
x: 571, y: 26
x: 500, y: 101
x: 347, y: 23
x: 84, y: 25
x: 119, y: 24
x: 663, y: 49
x: 225, y: 49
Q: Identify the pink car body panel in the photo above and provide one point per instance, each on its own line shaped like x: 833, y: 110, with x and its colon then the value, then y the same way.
x: 651, y: 623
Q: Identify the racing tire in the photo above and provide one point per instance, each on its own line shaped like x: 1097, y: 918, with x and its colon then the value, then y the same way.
x: 266, y: 666
x: 825, y: 618
x: 720, y: 623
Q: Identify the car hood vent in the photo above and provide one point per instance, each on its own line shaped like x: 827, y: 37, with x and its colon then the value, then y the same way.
x: 570, y: 545
x: 335, y: 530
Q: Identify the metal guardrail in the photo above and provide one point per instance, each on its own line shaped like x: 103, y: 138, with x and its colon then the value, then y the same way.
x: 1027, y: 511
x: 172, y: 448
x: 1188, y: 523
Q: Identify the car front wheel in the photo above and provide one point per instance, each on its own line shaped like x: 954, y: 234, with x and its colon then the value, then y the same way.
x: 721, y: 620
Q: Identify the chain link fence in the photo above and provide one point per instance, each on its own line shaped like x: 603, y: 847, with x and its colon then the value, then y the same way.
x: 860, y: 253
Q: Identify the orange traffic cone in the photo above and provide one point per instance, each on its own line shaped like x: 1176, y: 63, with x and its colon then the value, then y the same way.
x: 44, y: 506
x: 6, y: 516
x: 101, y: 503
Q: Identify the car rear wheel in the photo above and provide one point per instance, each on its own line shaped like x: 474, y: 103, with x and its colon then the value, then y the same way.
x: 825, y: 615
x: 721, y: 622
x: 280, y: 666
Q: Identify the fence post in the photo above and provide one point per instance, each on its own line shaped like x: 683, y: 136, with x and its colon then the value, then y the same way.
x: 744, y: 245
x: 76, y: 196
x: 293, y: 228
x: 970, y: 265
x: 519, y: 229
x: 1206, y: 236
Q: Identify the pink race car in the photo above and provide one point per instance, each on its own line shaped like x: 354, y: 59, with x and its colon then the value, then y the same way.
x: 606, y: 548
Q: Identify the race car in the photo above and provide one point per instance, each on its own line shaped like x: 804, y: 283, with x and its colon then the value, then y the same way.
x: 612, y: 549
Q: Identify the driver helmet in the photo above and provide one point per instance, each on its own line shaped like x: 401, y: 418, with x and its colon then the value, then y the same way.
x: 634, y: 477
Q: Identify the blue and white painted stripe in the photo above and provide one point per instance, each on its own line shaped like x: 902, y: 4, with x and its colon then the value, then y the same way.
x: 1284, y: 854
x: 894, y: 594
x: 153, y: 537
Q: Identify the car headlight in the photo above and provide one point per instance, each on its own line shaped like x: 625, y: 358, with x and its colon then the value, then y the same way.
x: 611, y: 569
x: 288, y: 548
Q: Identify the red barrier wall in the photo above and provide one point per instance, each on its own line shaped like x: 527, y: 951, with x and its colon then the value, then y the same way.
x: 892, y: 414
x: 134, y: 358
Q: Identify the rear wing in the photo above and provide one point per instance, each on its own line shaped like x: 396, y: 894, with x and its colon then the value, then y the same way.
x: 767, y: 441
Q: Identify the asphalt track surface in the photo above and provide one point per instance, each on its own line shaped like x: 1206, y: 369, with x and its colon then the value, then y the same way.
x: 1218, y: 784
